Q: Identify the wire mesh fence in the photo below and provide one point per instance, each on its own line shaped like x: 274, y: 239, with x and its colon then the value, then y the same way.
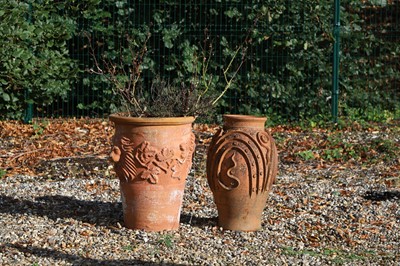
x: 287, y: 73
x: 370, y: 65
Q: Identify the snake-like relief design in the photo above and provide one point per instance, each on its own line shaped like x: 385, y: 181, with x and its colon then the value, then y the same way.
x: 236, y: 155
x: 146, y: 162
x: 233, y: 180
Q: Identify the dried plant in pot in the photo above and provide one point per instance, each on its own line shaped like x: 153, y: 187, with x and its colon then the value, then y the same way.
x: 153, y: 142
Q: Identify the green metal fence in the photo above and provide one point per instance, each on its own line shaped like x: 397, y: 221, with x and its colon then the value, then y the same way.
x: 292, y: 69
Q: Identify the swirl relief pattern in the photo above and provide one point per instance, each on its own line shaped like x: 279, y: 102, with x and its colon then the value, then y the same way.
x: 238, y: 157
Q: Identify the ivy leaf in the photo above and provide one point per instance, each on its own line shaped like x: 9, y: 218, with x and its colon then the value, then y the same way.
x: 170, y: 35
x: 6, y: 97
x: 233, y: 12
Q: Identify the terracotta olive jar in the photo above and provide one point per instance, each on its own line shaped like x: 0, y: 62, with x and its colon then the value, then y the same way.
x: 242, y: 164
x: 152, y: 158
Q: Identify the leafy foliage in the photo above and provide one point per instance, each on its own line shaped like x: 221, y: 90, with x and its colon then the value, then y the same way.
x: 179, y: 48
x: 370, y: 58
x: 291, y: 62
x: 286, y: 73
x: 35, y: 66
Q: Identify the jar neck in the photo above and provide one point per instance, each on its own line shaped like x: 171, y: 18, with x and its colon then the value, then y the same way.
x: 243, y: 121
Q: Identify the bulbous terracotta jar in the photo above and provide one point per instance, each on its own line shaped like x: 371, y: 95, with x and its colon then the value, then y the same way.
x: 242, y: 165
x: 152, y: 158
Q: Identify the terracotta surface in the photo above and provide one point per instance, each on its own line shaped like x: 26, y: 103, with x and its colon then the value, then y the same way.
x: 242, y: 165
x: 152, y: 158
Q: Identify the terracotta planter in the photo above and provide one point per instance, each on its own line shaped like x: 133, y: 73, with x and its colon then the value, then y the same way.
x: 152, y: 158
x: 242, y: 165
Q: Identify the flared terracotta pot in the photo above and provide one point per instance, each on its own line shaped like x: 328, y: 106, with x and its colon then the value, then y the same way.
x: 152, y: 158
x: 242, y: 165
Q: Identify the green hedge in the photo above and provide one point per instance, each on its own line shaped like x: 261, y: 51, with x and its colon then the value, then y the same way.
x: 288, y: 58
x: 287, y: 73
x: 370, y: 59
x: 35, y: 66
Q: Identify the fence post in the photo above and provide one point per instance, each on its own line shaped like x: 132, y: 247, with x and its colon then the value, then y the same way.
x: 335, y: 71
x: 29, y: 108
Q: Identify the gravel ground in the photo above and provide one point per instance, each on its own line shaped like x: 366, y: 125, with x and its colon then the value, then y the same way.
x: 328, y: 216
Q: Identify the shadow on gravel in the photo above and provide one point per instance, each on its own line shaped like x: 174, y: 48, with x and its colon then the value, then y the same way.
x: 60, y: 207
x: 198, y: 221
x: 77, y: 260
x: 382, y: 195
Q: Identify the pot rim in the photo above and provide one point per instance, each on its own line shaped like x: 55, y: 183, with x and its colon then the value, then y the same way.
x: 244, y: 117
x: 161, y: 121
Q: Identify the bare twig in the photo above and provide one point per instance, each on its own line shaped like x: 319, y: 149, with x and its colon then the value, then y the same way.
x: 184, y: 98
x: 25, y: 153
x: 111, y: 71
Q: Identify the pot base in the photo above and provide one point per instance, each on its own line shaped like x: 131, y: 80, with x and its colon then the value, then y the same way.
x: 151, y: 208
x: 239, y: 213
